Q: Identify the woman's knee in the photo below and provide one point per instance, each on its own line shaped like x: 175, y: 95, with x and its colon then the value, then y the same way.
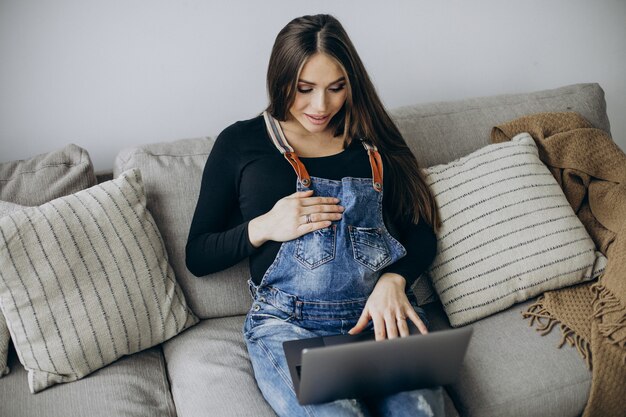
x: 417, y: 403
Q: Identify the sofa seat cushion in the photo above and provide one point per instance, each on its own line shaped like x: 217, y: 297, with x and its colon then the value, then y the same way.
x: 511, y: 370
x: 211, y: 374
x: 133, y: 386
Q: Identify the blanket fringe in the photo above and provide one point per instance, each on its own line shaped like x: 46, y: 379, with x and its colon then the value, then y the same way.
x: 544, y: 321
x: 605, y: 302
x: 540, y: 317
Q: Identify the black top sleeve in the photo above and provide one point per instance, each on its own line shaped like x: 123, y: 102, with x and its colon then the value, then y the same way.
x: 243, y: 178
x: 217, y: 237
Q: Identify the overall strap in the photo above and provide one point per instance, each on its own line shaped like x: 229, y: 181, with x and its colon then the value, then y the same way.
x: 279, y: 140
x: 376, y: 163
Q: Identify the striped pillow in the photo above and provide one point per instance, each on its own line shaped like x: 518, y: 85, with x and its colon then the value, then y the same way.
x: 5, y: 337
x: 85, y: 279
x: 508, y: 232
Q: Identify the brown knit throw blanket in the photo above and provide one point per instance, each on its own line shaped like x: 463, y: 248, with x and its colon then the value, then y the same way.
x: 591, y: 169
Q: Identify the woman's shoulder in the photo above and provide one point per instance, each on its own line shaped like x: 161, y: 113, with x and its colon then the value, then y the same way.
x: 244, y: 138
x: 243, y: 128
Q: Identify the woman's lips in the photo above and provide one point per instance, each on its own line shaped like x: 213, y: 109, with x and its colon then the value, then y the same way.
x: 317, y: 120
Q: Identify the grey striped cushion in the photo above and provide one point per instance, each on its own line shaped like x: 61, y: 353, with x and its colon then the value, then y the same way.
x: 43, y: 177
x: 5, y: 337
x: 85, y: 279
x: 508, y: 232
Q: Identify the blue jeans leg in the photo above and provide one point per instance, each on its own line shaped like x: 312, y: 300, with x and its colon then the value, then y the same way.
x: 265, y: 332
x: 418, y: 403
x: 264, y: 341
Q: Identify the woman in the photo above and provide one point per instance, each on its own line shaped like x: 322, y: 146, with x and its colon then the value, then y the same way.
x: 322, y: 259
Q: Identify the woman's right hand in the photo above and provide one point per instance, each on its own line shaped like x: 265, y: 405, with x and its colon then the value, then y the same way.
x: 287, y: 220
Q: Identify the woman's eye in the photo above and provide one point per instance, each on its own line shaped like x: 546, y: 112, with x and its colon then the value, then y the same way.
x: 333, y: 89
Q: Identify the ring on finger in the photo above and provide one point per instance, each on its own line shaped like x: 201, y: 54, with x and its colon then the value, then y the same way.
x: 308, y: 218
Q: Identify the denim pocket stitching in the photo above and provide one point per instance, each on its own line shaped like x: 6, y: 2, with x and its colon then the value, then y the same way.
x: 379, y: 246
x: 300, y: 247
x: 396, y: 243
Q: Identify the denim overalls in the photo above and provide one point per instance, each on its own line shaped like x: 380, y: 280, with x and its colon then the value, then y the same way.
x: 318, y: 285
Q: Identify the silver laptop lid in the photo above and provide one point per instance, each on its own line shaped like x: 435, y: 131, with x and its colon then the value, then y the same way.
x: 378, y: 368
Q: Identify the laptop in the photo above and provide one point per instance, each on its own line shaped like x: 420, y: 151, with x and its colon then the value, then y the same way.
x: 356, y: 366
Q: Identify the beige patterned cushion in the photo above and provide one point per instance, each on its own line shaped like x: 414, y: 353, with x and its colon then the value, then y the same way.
x: 5, y: 339
x: 44, y: 177
x: 34, y: 181
x: 5, y: 336
x: 508, y: 232
x: 86, y: 280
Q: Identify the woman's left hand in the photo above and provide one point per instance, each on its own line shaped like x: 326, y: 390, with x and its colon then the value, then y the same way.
x: 389, y: 308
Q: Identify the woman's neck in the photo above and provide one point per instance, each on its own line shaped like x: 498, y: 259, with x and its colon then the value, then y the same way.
x: 311, y: 145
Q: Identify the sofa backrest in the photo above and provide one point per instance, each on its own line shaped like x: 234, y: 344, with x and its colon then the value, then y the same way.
x: 436, y: 133
x: 172, y: 172
x: 442, y: 132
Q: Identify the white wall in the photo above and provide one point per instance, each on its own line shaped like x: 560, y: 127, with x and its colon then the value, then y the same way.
x: 111, y: 74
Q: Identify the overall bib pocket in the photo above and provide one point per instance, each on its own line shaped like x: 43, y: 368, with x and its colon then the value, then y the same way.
x: 369, y: 247
x: 317, y: 247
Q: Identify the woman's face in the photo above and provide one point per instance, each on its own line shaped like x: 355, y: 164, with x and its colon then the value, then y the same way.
x: 321, y: 92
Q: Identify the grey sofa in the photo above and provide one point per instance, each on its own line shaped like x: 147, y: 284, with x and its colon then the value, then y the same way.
x: 509, y: 370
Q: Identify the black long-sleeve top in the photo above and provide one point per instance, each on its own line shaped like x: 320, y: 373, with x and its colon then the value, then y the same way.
x: 245, y: 175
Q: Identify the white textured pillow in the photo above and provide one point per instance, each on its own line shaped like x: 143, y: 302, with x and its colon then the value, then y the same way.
x: 508, y: 232
x: 85, y: 279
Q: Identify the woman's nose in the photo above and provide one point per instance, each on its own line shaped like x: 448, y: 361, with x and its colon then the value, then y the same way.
x: 319, y: 101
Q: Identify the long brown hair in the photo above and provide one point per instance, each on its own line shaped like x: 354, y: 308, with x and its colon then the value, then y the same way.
x: 363, y: 114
